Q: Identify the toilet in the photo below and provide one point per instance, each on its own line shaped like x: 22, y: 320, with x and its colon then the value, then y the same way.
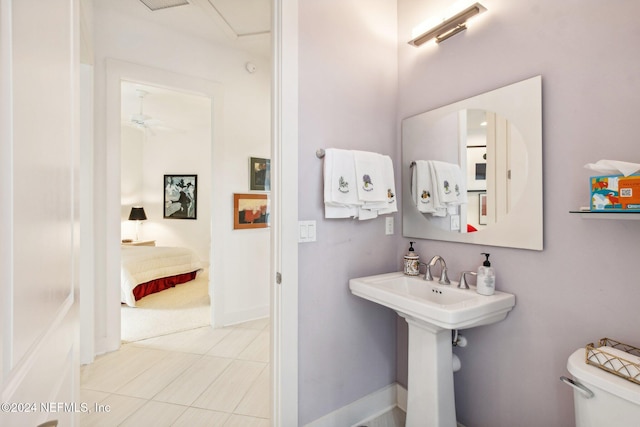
x: 601, y: 398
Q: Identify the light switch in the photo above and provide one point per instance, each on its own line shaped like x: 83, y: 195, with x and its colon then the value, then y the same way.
x: 455, y: 222
x: 388, y: 225
x: 306, y: 231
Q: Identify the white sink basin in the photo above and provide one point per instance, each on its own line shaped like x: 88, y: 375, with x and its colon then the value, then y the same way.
x: 444, y: 306
x: 431, y: 309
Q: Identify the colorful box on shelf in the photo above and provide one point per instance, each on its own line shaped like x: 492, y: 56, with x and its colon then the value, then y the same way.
x: 615, y: 193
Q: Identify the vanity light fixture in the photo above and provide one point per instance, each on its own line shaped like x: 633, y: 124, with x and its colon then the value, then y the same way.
x: 450, y: 26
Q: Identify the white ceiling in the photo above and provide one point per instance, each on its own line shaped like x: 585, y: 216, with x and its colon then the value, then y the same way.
x: 240, y: 24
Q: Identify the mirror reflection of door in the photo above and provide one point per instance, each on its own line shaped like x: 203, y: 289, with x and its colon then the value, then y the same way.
x: 496, y: 166
x: 474, y: 152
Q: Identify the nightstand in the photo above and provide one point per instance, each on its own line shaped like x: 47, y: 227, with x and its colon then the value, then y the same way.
x: 140, y: 243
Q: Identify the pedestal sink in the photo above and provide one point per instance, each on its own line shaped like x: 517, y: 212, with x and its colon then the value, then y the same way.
x: 432, y: 310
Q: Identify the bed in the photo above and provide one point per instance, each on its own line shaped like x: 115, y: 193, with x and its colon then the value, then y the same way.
x: 149, y: 269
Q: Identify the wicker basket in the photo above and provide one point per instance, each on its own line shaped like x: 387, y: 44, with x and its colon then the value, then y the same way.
x: 598, y: 356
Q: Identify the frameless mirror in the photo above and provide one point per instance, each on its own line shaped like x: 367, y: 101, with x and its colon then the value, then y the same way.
x: 496, y: 140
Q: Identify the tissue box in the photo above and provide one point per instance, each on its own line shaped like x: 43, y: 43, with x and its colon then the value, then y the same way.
x: 616, y: 193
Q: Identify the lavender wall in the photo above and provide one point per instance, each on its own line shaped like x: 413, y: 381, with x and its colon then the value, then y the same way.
x: 583, y: 286
x: 348, y: 86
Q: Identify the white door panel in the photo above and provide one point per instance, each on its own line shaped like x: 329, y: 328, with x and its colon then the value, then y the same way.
x: 38, y: 281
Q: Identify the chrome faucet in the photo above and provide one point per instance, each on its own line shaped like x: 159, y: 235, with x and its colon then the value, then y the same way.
x: 462, y: 284
x: 444, y: 279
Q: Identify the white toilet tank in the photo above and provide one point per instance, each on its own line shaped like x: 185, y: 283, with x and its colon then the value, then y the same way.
x: 615, y: 401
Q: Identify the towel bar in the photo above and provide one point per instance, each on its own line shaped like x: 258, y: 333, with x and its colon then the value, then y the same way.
x: 320, y: 153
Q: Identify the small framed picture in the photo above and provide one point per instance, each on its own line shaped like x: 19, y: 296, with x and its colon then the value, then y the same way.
x: 477, y: 168
x: 482, y: 208
x: 180, y: 196
x: 260, y: 174
x: 250, y: 211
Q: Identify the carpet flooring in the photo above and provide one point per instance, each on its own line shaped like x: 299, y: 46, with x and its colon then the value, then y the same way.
x: 183, y: 307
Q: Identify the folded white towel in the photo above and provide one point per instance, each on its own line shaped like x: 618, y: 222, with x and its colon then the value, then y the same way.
x: 422, y: 187
x: 340, y: 211
x: 449, y: 182
x: 358, y: 184
x: 340, y: 178
x: 370, y: 176
x: 439, y: 206
x: 340, y: 192
x: 389, y: 178
x: 364, y: 213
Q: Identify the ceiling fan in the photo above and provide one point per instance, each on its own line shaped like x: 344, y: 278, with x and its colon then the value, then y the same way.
x: 143, y: 121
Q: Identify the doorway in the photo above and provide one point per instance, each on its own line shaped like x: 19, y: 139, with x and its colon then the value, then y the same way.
x: 165, y: 131
x: 117, y: 72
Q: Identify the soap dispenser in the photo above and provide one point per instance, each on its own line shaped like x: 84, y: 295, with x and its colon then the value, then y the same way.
x: 486, y: 279
x: 411, y: 262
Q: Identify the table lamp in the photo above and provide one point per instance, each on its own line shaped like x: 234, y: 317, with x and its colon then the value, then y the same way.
x: 137, y: 214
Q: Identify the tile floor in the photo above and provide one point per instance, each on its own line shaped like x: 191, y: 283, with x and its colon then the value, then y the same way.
x: 200, y: 377
x: 393, y: 418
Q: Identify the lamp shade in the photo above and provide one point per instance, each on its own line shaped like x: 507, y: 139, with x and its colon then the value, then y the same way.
x: 137, y: 213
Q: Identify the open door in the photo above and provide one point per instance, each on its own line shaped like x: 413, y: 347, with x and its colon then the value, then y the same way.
x: 38, y: 163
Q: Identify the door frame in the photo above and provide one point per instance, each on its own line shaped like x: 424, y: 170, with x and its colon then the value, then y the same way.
x: 284, y: 253
x: 116, y: 72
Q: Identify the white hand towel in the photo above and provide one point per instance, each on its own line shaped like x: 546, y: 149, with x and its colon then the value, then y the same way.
x: 439, y: 206
x: 364, y: 213
x: 340, y: 178
x: 370, y: 176
x: 340, y: 211
x: 422, y: 187
x: 340, y: 192
x: 392, y: 205
x: 448, y: 182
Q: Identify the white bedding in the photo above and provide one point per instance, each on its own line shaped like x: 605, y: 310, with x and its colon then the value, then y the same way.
x: 141, y: 264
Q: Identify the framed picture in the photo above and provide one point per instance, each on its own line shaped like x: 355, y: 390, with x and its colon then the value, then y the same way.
x: 477, y: 168
x: 250, y: 211
x: 260, y: 170
x: 482, y: 208
x: 180, y: 196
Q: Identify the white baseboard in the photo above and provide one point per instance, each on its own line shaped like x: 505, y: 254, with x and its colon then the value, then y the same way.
x: 402, y: 397
x: 361, y: 410
x: 369, y: 407
x: 245, y: 315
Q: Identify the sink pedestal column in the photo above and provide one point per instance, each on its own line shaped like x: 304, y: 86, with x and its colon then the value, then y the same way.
x: 430, y: 395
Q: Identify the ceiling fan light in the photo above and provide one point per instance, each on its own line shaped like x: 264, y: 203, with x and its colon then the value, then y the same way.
x: 154, y: 5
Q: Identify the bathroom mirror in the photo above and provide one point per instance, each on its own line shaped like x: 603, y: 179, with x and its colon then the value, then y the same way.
x: 496, y: 139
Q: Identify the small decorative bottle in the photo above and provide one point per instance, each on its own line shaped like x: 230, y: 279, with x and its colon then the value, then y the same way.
x: 411, y: 262
x: 486, y: 280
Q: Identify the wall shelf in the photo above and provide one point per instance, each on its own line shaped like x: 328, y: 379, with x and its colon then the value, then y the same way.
x: 606, y: 215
